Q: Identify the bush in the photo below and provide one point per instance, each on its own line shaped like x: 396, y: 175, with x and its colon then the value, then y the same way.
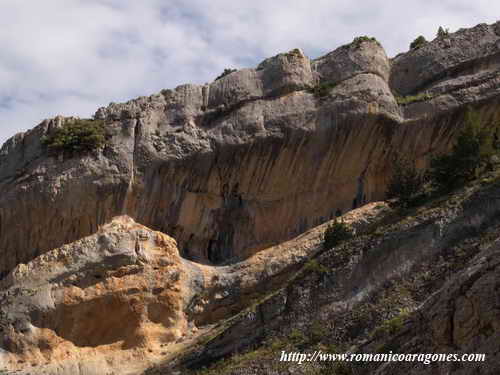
x: 294, y: 53
x: 77, y: 136
x: 406, y: 181
x: 441, y: 33
x: 297, y: 337
x: 391, y: 326
x: 420, y: 41
x: 360, y: 39
x: 336, y: 233
x: 314, y: 266
x: 469, y: 156
x: 322, y: 90
x: 225, y: 73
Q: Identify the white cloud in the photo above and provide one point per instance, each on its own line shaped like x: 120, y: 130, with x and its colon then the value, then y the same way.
x: 71, y: 56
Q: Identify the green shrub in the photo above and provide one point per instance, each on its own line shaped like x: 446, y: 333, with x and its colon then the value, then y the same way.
x: 420, y: 41
x: 363, y: 38
x: 314, y: 266
x: 441, y: 33
x: 470, y: 155
x: 391, y: 326
x: 316, y: 332
x: 77, y: 136
x: 406, y: 182
x: 294, y: 53
x: 336, y: 233
x: 297, y: 337
x: 322, y: 90
x: 225, y: 73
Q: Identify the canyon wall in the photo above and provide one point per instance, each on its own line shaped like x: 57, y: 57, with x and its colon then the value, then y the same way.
x: 254, y: 158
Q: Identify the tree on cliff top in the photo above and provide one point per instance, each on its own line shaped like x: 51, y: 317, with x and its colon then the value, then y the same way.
x: 76, y: 136
x: 418, y: 42
x: 441, y: 33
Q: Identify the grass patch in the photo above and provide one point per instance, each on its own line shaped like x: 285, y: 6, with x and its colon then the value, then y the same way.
x: 297, y: 337
x: 404, y: 100
x: 267, y: 353
x: 391, y: 326
x: 314, y: 266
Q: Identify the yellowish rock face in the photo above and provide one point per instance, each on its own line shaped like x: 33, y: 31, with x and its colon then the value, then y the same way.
x: 120, y: 290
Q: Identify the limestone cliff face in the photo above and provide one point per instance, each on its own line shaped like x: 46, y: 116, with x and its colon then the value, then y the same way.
x: 460, y: 57
x: 253, y: 158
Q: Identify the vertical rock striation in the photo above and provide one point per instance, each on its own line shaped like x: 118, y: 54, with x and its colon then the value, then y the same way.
x: 255, y: 157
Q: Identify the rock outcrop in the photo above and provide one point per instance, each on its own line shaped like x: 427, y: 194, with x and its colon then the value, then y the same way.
x: 426, y: 282
x: 123, y: 298
x: 122, y: 288
x: 253, y: 158
x: 245, y: 174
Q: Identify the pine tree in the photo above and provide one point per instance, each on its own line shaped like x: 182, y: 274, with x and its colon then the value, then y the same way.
x: 470, y: 155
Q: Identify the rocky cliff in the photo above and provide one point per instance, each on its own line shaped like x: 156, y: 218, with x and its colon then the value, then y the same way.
x: 123, y: 299
x: 241, y: 174
x: 424, y: 281
x: 254, y: 158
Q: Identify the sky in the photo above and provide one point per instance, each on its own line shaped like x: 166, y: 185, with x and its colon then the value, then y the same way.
x: 70, y: 57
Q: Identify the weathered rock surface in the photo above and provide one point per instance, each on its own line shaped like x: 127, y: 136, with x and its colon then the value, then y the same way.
x: 425, y: 283
x: 238, y: 172
x: 119, y: 292
x: 253, y: 158
x: 466, y: 52
x: 123, y: 298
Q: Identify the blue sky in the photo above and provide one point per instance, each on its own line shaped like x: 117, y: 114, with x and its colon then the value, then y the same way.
x: 70, y: 57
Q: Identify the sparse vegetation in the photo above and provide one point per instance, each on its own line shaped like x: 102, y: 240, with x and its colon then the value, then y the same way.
x: 314, y: 266
x: 386, y: 347
x: 225, y: 365
x: 403, y: 100
x: 336, y: 233
x: 322, y: 89
x: 363, y: 38
x: 294, y: 53
x: 225, y: 73
x: 391, y: 326
x: 420, y: 41
x: 337, y: 368
x: 77, y: 136
x: 406, y: 182
x: 470, y: 155
x: 316, y: 332
x: 297, y: 337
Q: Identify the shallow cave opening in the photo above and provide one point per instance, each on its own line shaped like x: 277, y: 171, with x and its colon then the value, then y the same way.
x: 93, y: 322
x: 211, y: 251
